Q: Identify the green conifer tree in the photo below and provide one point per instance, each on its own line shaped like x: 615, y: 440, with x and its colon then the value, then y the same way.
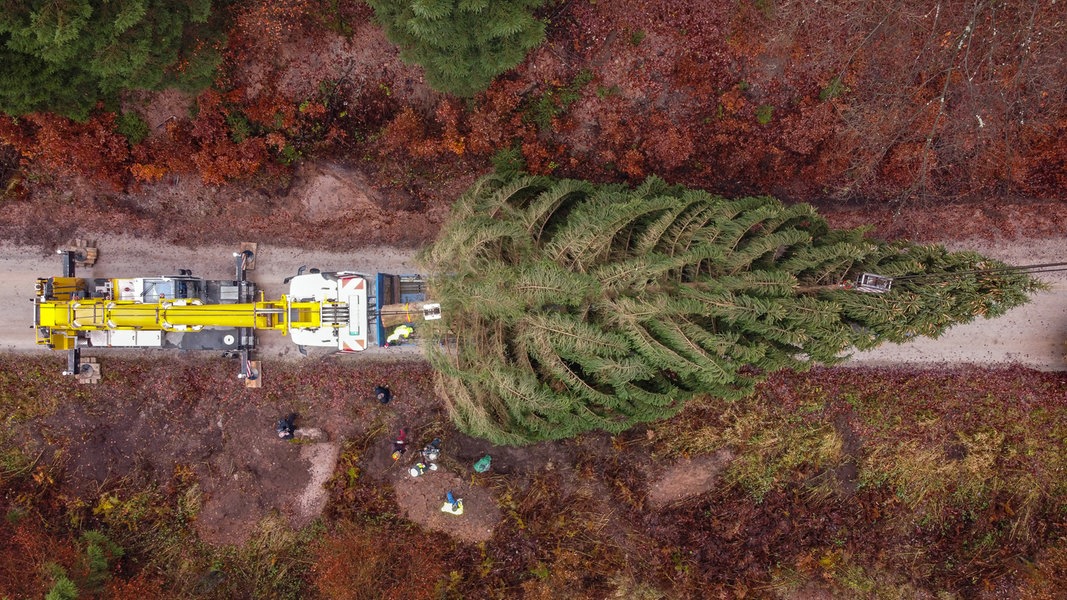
x: 571, y: 306
x: 64, y: 56
x: 461, y: 44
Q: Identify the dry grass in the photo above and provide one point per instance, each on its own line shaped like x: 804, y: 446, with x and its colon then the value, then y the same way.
x: 957, y: 472
x: 769, y: 448
x: 952, y: 486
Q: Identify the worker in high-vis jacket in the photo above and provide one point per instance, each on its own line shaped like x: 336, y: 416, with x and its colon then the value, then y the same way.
x: 401, y: 332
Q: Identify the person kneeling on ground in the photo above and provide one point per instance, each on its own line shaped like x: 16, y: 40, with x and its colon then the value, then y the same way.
x: 383, y: 394
x: 285, y: 427
x: 400, y: 446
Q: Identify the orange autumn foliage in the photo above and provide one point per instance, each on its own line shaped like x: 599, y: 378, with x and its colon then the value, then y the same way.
x: 412, y: 134
x: 147, y: 173
x: 93, y: 150
x: 217, y: 156
x: 25, y: 549
x: 355, y: 559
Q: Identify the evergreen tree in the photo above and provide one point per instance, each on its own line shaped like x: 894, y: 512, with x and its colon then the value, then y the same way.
x: 571, y: 306
x: 64, y: 56
x: 461, y: 44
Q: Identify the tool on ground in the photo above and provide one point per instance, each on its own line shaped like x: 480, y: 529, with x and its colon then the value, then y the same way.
x: 432, y: 451
x: 420, y: 468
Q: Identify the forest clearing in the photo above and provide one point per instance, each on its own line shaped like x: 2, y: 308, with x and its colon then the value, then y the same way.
x: 334, y: 135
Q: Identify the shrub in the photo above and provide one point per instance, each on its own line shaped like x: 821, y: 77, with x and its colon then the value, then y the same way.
x: 764, y: 114
x: 133, y: 126
x: 835, y: 88
x: 461, y: 44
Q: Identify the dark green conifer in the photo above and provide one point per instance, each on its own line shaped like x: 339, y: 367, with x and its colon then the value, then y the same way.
x: 571, y: 306
x: 461, y: 44
x: 65, y: 56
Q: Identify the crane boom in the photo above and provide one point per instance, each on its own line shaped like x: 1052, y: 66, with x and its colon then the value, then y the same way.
x: 338, y: 310
x: 322, y: 309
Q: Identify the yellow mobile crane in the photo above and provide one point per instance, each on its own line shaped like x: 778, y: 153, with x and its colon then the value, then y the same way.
x: 338, y: 310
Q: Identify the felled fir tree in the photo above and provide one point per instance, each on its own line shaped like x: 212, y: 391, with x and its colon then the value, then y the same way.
x: 570, y: 306
x: 461, y: 44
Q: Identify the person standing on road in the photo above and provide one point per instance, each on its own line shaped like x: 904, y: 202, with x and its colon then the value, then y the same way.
x: 402, y: 332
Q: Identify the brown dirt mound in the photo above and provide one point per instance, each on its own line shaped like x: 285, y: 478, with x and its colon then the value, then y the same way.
x: 688, y: 478
x: 421, y: 499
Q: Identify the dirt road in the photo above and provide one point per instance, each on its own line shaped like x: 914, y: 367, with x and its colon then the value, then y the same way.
x: 1032, y: 335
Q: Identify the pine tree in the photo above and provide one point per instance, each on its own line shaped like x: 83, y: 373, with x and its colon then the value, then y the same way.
x: 65, y: 56
x: 572, y: 306
x: 461, y: 44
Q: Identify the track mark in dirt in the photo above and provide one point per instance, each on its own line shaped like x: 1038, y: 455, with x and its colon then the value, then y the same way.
x: 688, y: 478
x: 848, y: 472
x: 322, y: 459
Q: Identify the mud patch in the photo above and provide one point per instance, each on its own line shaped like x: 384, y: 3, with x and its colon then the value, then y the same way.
x: 421, y: 499
x: 330, y: 193
x: 253, y: 477
x: 688, y: 478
